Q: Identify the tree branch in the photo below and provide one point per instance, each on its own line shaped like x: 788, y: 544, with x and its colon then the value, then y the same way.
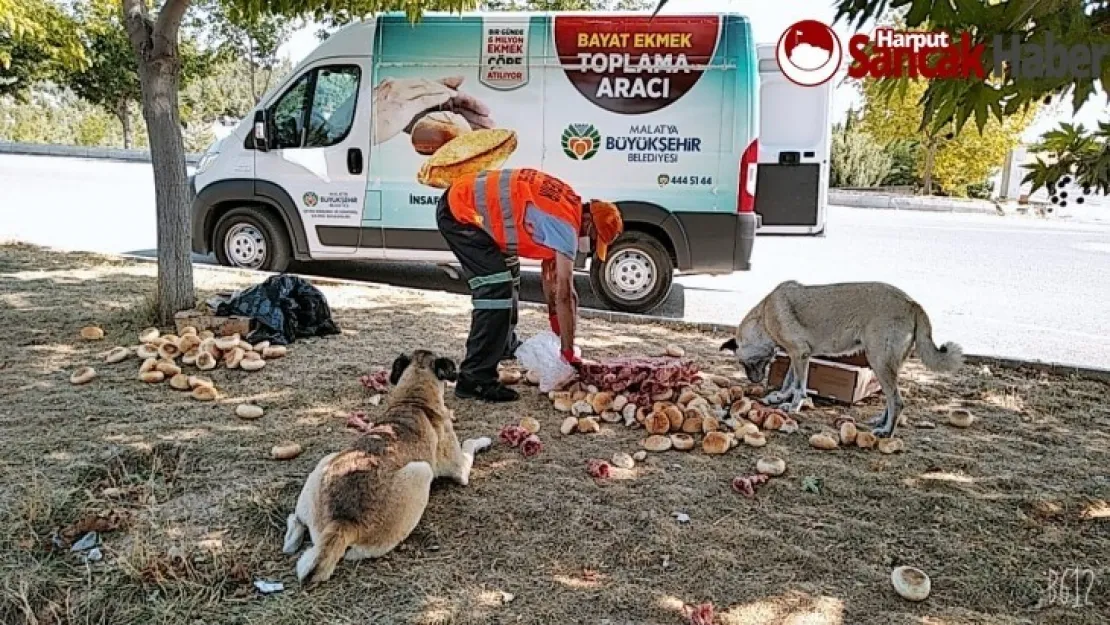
x: 138, y: 24
x: 168, y: 26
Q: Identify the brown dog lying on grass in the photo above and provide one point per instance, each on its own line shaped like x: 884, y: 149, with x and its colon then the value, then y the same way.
x: 363, y: 501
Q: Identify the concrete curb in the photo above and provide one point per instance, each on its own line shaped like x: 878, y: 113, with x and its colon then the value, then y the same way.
x: 889, y: 201
x: 838, y: 197
x: 77, y: 151
x: 611, y: 316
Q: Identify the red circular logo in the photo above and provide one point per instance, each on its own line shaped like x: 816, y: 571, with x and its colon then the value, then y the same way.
x: 809, y: 53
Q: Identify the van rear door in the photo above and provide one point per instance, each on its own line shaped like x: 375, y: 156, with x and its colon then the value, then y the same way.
x: 794, y: 134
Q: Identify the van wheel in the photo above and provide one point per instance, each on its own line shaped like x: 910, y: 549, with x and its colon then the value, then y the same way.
x: 637, y: 275
x: 251, y: 238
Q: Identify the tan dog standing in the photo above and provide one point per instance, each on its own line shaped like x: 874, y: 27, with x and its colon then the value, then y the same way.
x: 363, y: 501
x: 833, y: 320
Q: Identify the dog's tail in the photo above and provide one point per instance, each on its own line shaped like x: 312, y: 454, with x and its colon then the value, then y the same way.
x: 318, y: 562
x: 947, y: 357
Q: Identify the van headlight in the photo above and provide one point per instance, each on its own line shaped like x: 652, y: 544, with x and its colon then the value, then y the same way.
x: 206, y: 161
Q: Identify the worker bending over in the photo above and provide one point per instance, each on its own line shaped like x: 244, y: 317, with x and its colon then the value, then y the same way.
x: 492, y: 219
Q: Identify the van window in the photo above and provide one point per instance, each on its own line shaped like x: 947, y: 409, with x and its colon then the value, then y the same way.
x: 325, y: 118
x: 333, y: 105
x: 288, y: 115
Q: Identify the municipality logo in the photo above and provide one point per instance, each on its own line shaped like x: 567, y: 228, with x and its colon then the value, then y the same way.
x: 310, y: 199
x: 581, y: 141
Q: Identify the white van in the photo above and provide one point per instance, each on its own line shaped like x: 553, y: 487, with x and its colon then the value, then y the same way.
x: 658, y: 115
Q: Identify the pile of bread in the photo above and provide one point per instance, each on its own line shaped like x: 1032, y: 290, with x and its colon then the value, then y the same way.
x: 164, y: 355
x: 718, y: 414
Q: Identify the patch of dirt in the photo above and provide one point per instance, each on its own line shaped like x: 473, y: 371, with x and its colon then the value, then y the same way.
x: 1002, y: 515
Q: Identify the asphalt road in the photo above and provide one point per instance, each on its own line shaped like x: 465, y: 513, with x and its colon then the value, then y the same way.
x: 1017, y: 287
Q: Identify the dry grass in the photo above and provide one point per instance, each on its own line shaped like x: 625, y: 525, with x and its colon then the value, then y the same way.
x: 989, y: 512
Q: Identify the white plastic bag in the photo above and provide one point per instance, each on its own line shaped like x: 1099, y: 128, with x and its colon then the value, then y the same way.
x: 543, y: 354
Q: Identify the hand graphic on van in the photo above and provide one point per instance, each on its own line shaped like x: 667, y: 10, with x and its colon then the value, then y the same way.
x: 399, y: 102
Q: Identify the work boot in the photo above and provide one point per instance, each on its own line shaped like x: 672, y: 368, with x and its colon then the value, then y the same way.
x: 491, y: 392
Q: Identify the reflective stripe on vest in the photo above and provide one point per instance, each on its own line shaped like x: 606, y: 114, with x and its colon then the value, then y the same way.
x: 504, y: 200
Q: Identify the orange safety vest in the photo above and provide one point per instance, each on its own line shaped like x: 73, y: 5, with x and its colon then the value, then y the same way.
x: 495, y: 200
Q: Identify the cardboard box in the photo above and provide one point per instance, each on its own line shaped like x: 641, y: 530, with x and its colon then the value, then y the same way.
x: 828, y: 379
x: 220, y: 326
x: 858, y: 360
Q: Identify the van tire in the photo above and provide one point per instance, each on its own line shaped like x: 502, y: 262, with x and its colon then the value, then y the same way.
x: 633, y: 254
x: 258, y: 232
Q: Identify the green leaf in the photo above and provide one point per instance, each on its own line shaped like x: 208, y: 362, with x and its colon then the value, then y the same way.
x: 944, y: 115
x: 920, y: 12
x: 981, y: 105
x: 961, y: 117
x: 970, y: 10
x: 1105, y: 77
x: 811, y: 484
x: 1017, y: 12
x: 1083, y: 91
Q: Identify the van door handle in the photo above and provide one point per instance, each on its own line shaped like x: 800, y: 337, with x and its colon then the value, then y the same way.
x: 354, y: 160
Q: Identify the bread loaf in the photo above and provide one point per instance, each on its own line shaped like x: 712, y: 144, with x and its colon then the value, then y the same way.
x: 432, y: 131
x: 467, y: 153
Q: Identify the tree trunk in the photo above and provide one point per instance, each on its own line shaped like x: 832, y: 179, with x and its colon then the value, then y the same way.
x: 160, y: 79
x: 159, y: 64
x: 123, y: 112
x: 250, y: 63
x: 930, y: 157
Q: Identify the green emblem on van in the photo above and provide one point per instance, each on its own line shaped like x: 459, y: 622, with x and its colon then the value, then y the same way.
x: 581, y: 141
x: 310, y: 199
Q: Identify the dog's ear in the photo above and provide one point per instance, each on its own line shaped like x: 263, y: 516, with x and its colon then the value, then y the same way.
x: 445, y: 369
x: 403, y: 361
x: 730, y: 345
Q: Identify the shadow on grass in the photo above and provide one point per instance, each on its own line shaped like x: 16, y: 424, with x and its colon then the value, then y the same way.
x: 986, y: 511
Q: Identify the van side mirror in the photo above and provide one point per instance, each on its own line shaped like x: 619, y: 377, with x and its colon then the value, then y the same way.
x: 260, y: 136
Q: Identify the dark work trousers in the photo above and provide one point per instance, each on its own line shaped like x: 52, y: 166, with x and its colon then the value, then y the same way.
x: 494, y: 281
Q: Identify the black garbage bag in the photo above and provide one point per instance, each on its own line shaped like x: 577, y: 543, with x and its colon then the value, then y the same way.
x: 283, y: 309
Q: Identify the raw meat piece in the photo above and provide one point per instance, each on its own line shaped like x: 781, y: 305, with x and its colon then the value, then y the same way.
x: 746, y: 485
x: 513, y: 435
x: 598, y: 468
x: 640, y: 377
x: 378, y: 381
x: 531, y: 446
x: 357, y: 420
x: 699, y: 614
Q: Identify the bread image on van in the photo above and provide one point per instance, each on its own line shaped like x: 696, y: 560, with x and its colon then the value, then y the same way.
x: 430, y: 132
x: 467, y: 153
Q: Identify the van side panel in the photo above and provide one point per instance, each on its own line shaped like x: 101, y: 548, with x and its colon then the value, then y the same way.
x: 675, y: 141
x: 634, y: 110
x: 493, y: 61
x: 653, y: 114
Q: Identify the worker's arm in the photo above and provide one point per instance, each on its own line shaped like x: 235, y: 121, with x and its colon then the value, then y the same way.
x: 566, y: 304
x: 547, y: 272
